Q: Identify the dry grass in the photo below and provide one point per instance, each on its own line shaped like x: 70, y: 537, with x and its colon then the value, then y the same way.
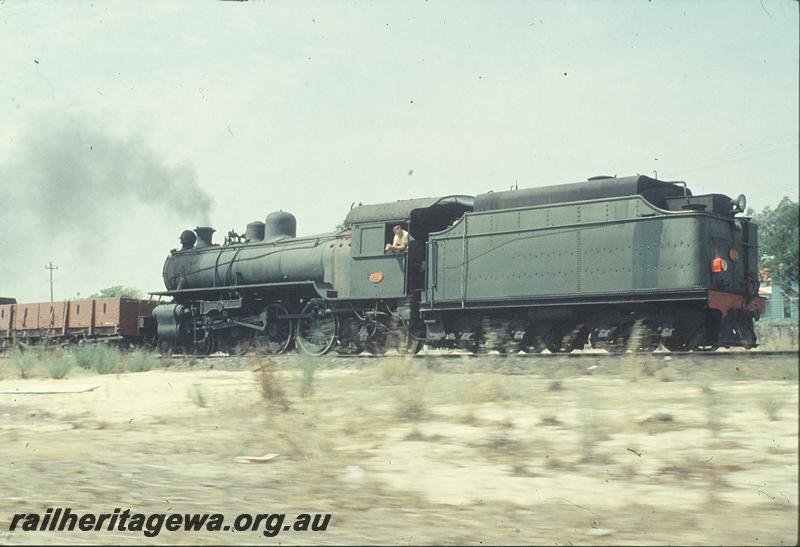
x: 417, y: 435
x: 550, y: 420
x: 272, y: 390
x: 58, y: 365
x: 469, y: 419
x: 24, y: 362
x: 395, y: 370
x: 590, y: 431
x: 39, y: 362
x: 308, y: 366
x: 140, y: 361
x: 770, y: 404
x: 197, y: 395
x: 411, y: 405
x: 500, y: 440
x: 410, y: 443
x: 101, y: 358
x: 487, y: 389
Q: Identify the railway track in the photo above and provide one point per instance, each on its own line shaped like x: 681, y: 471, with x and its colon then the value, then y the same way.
x: 577, y: 355
x: 744, y: 365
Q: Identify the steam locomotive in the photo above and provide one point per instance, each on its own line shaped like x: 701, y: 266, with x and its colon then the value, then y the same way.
x: 615, y: 263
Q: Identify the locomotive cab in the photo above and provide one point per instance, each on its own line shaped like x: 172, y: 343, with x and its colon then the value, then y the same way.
x: 376, y: 274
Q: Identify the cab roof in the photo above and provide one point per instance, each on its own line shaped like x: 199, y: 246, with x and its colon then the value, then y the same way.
x: 401, y: 210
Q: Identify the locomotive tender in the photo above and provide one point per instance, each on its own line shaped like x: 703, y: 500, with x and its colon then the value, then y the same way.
x: 611, y: 262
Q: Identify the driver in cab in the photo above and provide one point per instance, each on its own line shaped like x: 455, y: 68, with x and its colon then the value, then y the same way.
x: 400, y: 242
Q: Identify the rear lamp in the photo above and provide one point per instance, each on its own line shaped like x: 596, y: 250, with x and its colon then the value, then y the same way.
x: 718, y: 264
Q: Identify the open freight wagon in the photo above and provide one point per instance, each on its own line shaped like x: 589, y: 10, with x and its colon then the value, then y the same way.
x: 104, y: 319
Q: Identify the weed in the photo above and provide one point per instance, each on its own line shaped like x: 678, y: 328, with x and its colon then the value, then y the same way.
x: 24, y: 362
x: 636, y: 365
x: 392, y: 370
x: 486, y: 390
x: 411, y: 407
x: 589, y: 429
x: 141, y: 361
x: 770, y: 404
x: 501, y: 441
x: 308, y: 365
x: 553, y: 463
x: 101, y: 358
x: 662, y: 375
x: 469, y: 419
x: 271, y: 388
x: 58, y: 365
x: 712, y: 401
x: 521, y: 470
x: 417, y: 435
x: 550, y: 420
x: 197, y: 395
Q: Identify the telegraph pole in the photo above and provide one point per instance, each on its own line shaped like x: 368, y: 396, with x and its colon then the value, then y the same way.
x: 51, y: 268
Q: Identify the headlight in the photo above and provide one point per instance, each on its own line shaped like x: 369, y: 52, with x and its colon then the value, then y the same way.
x: 739, y: 204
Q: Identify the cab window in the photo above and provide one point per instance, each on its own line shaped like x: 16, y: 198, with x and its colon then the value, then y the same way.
x: 389, y: 232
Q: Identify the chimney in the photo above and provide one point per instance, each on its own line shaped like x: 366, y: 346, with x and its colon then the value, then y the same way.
x: 204, y: 236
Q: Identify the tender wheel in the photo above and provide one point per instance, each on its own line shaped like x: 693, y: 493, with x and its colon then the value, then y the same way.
x: 277, y: 335
x: 709, y: 347
x: 533, y: 348
x: 617, y: 346
x: 317, y: 334
x: 675, y: 345
x: 576, y: 339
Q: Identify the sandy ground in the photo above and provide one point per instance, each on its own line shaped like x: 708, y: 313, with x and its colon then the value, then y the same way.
x: 618, y: 451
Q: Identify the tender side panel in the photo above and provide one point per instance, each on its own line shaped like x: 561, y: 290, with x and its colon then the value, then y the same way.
x: 616, y: 246
x: 652, y: 254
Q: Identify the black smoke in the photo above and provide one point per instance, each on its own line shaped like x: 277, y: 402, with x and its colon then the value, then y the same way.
x: 72, y: 183
x: 75, y: 171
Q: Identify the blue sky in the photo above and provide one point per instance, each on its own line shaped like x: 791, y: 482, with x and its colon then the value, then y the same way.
x: 308, y: 107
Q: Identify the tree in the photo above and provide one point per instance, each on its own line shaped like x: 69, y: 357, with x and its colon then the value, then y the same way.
x: 118, y: 291
x: 779, y: 242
